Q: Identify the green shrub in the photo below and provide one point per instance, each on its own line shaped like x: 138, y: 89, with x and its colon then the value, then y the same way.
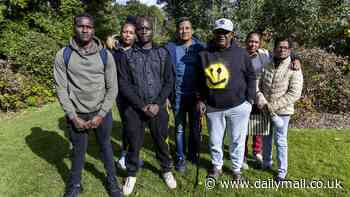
x: 18, y: 91
x: 32, y: 52
x: 30, y: 36
x: 326, y: 82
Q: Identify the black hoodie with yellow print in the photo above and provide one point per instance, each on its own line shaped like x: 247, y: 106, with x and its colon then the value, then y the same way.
x: 227, y: 77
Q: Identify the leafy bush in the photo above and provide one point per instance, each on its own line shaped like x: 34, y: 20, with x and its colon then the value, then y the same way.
x: 32, y: 52
x: 30, y: 35
x: 18, y: 91
x: 326, y: 82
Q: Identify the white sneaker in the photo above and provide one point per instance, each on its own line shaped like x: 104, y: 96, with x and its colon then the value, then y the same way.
x: 129, y: 185
x: 245, y: 166
x: 169, y: 180
x: 258, y: 158
x: 121, y: 163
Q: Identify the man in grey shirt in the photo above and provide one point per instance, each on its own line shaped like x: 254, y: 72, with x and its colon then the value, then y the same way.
x: 86, y: 86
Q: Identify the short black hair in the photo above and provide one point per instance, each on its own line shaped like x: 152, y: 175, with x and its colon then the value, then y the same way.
x: 139, y: 19
x: 131, y: 19
x: 282, y: 39
x: 181, y: 20
x: 252, y: 33
x: 84, y: 15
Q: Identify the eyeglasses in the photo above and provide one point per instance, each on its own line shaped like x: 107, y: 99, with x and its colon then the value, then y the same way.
x: 283, y: 48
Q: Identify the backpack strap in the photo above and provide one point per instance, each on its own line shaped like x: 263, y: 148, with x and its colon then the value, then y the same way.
x: 67, y: 52
x: 104, y: 56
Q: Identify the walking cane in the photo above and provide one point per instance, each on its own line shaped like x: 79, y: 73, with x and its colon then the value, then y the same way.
x: 199, y: 142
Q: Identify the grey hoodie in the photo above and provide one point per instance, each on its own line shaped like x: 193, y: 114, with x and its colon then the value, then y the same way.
x: 87, y: 85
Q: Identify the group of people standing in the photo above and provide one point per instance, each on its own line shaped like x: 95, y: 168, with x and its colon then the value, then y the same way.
x: 220, y: 80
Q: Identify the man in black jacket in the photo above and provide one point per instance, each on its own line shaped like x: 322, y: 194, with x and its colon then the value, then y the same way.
x: 146, y: 79
x: 227, y: 90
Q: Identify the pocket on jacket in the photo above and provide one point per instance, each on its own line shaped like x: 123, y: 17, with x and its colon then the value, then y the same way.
x: 89, y: 100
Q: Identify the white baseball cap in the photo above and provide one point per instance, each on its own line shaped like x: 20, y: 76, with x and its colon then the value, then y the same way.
x: 223, y: 23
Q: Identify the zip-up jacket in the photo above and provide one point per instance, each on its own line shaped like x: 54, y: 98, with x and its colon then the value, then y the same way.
x: 281, y: 86
x: 145, y: 76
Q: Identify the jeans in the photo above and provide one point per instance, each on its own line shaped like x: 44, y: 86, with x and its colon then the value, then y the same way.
x: 235, y: 120
x: 79, y: 140
x: 280, y: 137
x: 186, y: 105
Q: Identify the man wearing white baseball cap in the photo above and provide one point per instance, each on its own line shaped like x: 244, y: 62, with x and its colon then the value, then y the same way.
x: 224, y: 24
x: 227, y: 91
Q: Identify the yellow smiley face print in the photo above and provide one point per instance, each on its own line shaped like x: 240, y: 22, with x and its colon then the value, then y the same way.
x: 217, y: 76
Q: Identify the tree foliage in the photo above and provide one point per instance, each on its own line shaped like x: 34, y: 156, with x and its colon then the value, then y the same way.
x: 203, y: 13
x: 315, y: 22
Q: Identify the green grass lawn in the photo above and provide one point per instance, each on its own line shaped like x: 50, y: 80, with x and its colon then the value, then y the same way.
x: 34, y: 161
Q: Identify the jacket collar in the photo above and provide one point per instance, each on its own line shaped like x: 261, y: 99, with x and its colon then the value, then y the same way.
x: 212, y: 47
x: 137, y: 46
x: 282, y: 64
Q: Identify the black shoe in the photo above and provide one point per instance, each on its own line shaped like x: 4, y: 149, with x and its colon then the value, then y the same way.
x: 180, y: 165
x: 279, y: 179
x: 73, y: 191
x: 239, y: 180
x: 214, y: 172
x: 115, y: 193
x: 238, y: 177
x: 113, y: 187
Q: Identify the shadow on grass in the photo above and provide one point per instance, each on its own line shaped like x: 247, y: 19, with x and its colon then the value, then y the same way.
x: 51, y: 147
x: 54, y: 148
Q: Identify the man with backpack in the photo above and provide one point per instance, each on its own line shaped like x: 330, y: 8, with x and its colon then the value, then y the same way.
x: 86, y: 86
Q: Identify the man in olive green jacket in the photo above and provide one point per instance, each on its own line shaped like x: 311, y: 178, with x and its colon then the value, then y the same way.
x: 86, y: 86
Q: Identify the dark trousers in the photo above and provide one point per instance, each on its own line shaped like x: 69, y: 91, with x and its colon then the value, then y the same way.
x: 135, y: 123
x: 79, y: 140
x: 121, y: 109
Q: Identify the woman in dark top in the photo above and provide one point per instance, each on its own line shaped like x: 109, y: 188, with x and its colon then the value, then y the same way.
x: 118, y: 47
